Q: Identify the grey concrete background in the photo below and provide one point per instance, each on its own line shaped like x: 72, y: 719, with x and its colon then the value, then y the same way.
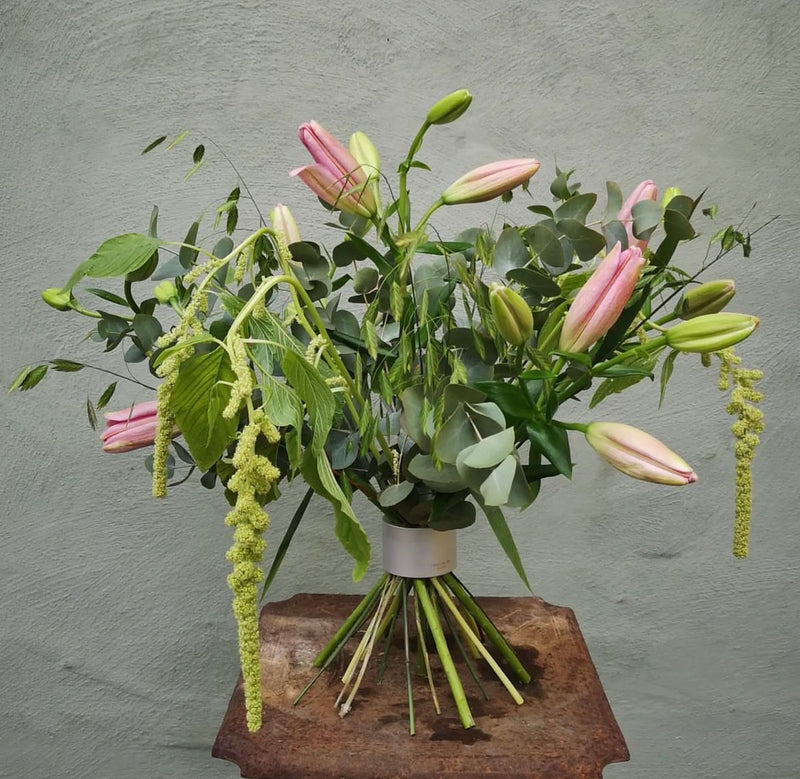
x: 117, y: 648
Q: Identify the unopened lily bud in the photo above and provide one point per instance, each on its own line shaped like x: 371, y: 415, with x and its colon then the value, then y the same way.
x: 283, y: 222
x: 59, y: 299
x: 365, y: 153
x: 449, y: 108
x: 512, y: 314
x: 638, y: 454
x: 710, y: 332
x: 165, y: 292
x: 489, y: 181
x: 670, y: 193
x: 600, y: 301
x: 708, y: 298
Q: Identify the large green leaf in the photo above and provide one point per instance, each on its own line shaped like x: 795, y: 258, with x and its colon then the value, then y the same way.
x: 318, y: 475
x: 503, y: 533
x: 319, y: 400
x: 281, y: 403
x: 199, y: 388
x: 116, y: 257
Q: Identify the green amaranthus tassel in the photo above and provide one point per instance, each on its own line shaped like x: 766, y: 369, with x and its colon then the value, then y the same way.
x: 254, y: 474
x: 750, y: 422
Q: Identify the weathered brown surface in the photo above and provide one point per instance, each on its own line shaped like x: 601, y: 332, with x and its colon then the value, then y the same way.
x: 564, y: 730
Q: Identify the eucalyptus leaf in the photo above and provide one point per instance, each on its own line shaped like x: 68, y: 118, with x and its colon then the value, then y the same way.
x: 148, y: 329
x: 553, y: 252
x: 676, y: 225
x: 576, y: 208
x: 489, y: 451
x: 646, y: 217
x: 510, y: 252
x: 586, y: 242
x: 535, y: 281
x: 456, y: 434
x: 497, y: 486
x: 445, y: 479
x: 613, y: 202
x: 395, y: 493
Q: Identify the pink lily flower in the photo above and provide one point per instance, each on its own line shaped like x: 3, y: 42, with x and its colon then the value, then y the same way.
x: 131, y: 428
x: 600, y: 301
x: 638, y: 454
x: 489, y: 181
x: 336, y: 176
x: 645, y: 191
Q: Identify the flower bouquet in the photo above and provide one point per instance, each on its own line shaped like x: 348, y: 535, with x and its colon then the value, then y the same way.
x: 432, y: 375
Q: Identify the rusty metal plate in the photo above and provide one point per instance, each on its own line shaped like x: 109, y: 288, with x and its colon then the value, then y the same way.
x: 564, y: 730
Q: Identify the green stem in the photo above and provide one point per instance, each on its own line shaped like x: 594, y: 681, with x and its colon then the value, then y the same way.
x: 488, y: 627
x: 426, y: 659
x: 128, y: 289
x: 409, y: 685
x: 440, y: 641
x: 464, y: 653
x: 403, y: 206
x: 427, y: 215
x: 344, y: 631
x: 448, y: 601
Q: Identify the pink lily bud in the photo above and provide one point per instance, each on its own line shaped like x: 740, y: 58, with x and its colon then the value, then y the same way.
x: 283, y: 222
x: 337, y: 177
x: 645, y: 191
x: 638, y: 454
x: 131, y: 428
x: 489, y: 181
x: 600, y: 301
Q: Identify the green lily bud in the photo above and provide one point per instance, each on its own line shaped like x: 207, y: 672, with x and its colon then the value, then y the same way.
x: 710, y: 332
x: 449, y: 108
x: 362, y: 148
x: 59, y: 299
x: 670, y: 193
x: 165, y: 292
x: 511, y: 313
x: 708, y: 298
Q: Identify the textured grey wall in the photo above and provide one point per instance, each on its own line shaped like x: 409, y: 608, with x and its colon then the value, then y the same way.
x: 117, y: 650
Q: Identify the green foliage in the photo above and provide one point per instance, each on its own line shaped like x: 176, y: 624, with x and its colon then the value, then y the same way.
x: 201, y: 392
x: 116, y: 257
